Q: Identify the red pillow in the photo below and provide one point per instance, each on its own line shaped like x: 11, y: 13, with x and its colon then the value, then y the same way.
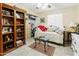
x: 43, y: 28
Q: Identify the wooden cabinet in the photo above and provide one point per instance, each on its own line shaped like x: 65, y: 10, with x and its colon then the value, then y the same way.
x: 67, y: 38
x: 12, y: 27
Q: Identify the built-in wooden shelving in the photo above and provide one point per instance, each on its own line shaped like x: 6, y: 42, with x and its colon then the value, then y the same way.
x: 8, y: 16
x: 12, y: 27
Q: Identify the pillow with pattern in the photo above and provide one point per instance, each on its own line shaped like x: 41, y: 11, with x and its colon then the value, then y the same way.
x: 54, y: 28
x: 59, y: 31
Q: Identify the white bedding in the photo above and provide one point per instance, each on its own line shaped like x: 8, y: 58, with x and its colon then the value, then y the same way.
x: 51, y: 36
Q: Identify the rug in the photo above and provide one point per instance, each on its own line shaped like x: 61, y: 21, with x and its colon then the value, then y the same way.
x: 40, y: 47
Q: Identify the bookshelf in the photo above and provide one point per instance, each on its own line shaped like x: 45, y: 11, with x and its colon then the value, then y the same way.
x: 20, y: 26
x: 12, y: 28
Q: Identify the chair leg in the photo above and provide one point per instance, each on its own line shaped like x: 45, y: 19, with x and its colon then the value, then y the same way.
x: 47, y: 45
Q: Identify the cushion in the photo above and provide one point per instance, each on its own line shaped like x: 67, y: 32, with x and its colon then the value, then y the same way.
x: 43, y: 28
x: 54, y: 28
x: 59, y: 31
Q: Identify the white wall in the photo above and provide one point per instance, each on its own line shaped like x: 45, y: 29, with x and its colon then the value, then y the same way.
x: 69, y: 14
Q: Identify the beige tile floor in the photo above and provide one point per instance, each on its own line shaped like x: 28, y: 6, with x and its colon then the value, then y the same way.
x: 27, y: 51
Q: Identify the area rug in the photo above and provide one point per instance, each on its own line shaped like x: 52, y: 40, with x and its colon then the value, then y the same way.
x: 40, y: 47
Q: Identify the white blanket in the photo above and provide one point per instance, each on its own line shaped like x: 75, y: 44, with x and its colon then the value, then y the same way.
x: 51, y: 36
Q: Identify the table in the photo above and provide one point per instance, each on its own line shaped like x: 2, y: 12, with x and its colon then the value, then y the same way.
x: 41, y: 39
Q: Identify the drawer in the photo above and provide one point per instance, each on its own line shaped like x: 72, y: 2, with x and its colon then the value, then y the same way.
x: 75, y: 37
x: 74, y: 42
x: 73, y: 47
x: 77, y: 48
x: 75, y: 52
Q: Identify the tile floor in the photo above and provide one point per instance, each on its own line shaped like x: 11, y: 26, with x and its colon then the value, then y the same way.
x: 27, y: 51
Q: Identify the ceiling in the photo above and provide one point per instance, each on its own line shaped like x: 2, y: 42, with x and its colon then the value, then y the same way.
x: 32, y: 6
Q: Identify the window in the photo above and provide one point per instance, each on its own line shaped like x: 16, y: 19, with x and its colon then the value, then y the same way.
x: 56, y: 20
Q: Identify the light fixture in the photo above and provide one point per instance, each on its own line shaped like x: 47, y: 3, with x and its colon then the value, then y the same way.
x: 43, y: 5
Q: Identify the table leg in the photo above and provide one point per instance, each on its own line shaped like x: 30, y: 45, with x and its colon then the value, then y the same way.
x: 45, y: 46
x: 35, y: 44
x: 39, y: 41
x: 48, y: 45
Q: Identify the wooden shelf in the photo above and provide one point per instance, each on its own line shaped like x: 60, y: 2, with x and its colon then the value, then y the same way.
x: 19, y: 38
x: 20, y: 25
x: 8, y: 16
x: 8, y: 50
x: 20, y: 32
x: 7, y: 33
x: 7, y: 41
x: 19, y: 18
x: 7, y: 25
x: 4, y: 5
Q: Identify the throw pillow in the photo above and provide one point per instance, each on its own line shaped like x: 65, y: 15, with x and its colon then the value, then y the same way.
x: 43, y: 28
